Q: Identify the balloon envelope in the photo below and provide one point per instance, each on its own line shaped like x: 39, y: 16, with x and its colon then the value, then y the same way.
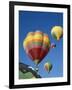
x: 48, y: 66
x: 57, y: 32
x: 36, y: 45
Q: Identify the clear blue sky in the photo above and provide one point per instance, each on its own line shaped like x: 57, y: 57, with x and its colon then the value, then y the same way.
x: 31, y: 21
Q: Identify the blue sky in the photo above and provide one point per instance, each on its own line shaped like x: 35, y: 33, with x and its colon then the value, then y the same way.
x: 31, y: 21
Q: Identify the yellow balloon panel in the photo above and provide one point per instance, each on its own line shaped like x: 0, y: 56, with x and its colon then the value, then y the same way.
x: 46, y: 40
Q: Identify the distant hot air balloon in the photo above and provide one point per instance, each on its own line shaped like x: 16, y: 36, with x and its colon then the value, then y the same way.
x: 36, y: 45
x: 57, y: 32
x: 48, y: 66
x: 53, y: 45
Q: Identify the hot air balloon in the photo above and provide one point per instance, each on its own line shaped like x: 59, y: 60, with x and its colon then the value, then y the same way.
x: 48, y: 66
x: 53, y: 45
x: 57, y: 32
x: 36, y: 45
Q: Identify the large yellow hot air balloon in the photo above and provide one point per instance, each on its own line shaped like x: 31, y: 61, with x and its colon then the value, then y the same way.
x: 57, y: 32
x: 48, y: 66
x: 36, y: 45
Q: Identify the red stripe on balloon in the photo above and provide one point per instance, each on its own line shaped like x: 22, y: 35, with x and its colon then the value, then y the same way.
x: 43, y: 53
x: 37, y: 53
x: 30, y: 54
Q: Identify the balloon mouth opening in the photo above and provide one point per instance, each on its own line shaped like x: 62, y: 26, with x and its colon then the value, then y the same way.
x: 36, y: 61
x: 57, y: 38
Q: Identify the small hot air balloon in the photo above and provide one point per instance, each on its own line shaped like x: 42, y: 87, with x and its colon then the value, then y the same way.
x: 36, y: 45
x: 53, y: 45
x: 48, y: 66
x: 57, y: 32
